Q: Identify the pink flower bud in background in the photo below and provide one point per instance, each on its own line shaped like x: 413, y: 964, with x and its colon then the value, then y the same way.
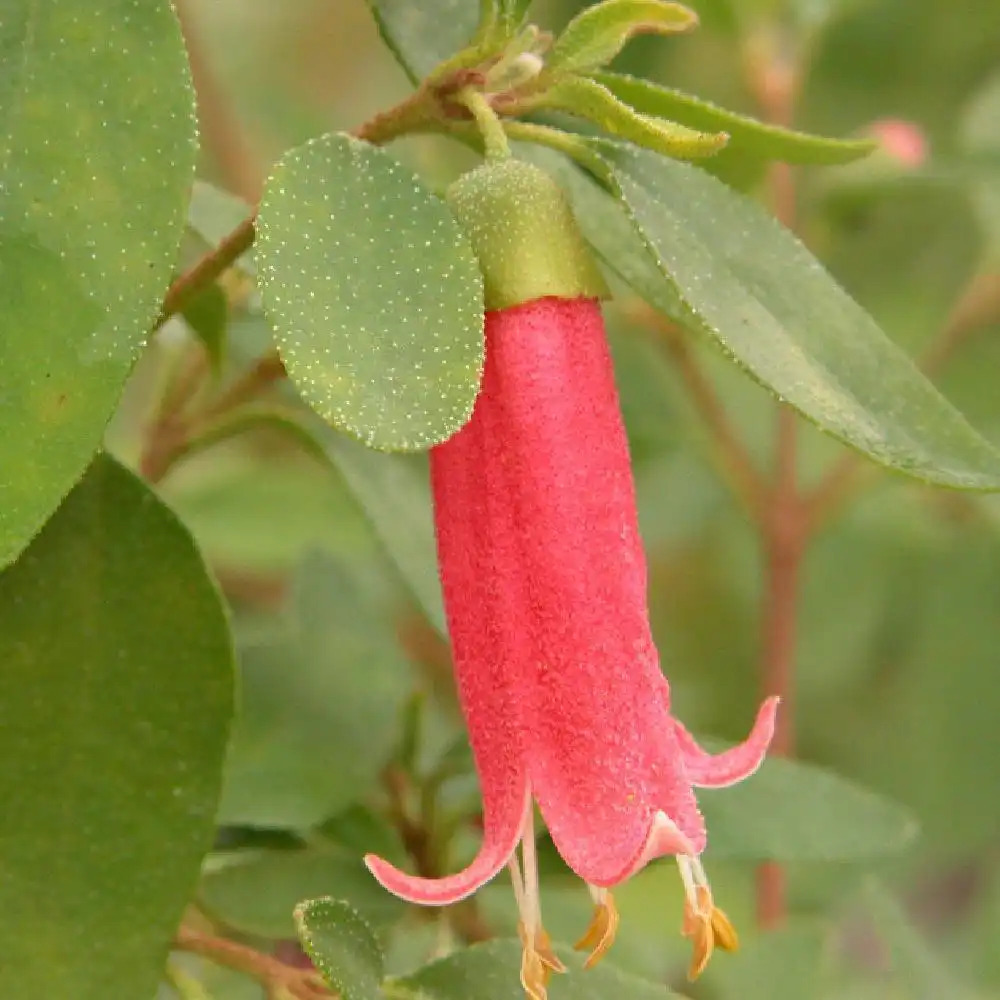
x: 905, y: 141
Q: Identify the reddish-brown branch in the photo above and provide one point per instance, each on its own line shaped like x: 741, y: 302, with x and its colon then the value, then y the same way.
x: 274, y: 975
x: 774, y: 74
x: 209, y: 267
x: 784, y: 542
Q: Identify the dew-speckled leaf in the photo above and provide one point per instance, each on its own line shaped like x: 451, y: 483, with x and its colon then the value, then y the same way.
x: 600, y: 31
x: 746, y: 134
x: 795, y: 812
x: 395, y: 496
x: 258, y: 895
x: 374, y: 294
x: 342, y: 946
x: 490, y: 972
x: 423, y: 33
x: 97, y: 151
x: 715, y: 261
x: 115, y: 701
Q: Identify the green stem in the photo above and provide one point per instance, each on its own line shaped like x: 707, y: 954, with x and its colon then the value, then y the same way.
x: 490, y: 126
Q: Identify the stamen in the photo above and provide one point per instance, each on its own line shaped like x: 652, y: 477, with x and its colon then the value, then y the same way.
x: 532, y: 912
x: 538, y: 960
x: 603, y: 928
x: 704, y: 923
x: 725, y: 934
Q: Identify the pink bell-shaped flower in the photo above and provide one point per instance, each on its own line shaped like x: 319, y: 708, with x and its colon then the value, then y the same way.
x: 544, y: 582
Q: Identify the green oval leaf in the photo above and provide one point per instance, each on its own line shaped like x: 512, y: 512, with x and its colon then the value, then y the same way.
x: 490, y: 972
x: 790, y: 811
x: 374, y: 293
x: 342, y: 946
x: 115, y: 700
x: 599, y: 32
x: 716, y: 262
x: 746, y: 134
x: 97, y: 150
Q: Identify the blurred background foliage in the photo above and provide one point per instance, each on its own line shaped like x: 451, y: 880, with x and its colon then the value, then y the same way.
x: 344, y: 680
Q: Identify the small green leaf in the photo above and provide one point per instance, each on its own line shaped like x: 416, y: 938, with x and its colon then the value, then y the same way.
x: 586, y: 98
x: 599, y: 32
x: 490, y: 972
x: 115, y: 701
x: 97, y: 151
x: 790, y: 811
x: 746, y: 135
x: 374, y: 293
x: 716, y: 262
x: 208, y: 315
x: 422, y: 35
x: 259, y: 894
x: 342, y: 946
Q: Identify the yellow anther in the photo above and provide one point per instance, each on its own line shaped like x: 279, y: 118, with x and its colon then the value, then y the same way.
x: 538, y: 962
x: 601, y: 932
x: 725, y: 934
x: 706, y: 926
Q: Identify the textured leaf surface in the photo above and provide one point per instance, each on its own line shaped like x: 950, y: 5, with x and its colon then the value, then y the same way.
x: 374, y: 293
x: 97, y: 149
x: 115, y: 699
x: 794, y: 812
x: 715, y: 261
x: 342, y: 946
x: 490, y: 972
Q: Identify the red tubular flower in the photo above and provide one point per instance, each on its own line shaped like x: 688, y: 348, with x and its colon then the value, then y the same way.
x: 544, y: 583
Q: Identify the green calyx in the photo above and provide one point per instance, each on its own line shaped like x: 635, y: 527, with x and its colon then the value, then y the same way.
x: 524, y: 234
